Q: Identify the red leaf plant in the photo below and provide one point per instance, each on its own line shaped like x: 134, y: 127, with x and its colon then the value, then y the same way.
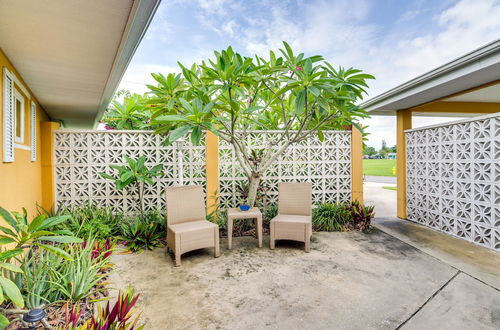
x: 119, y: 317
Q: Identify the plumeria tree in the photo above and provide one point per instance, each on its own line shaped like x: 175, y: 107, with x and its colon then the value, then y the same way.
x: 231, y: 95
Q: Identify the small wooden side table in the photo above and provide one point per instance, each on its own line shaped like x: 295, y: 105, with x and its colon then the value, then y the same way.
x: 236, y: 213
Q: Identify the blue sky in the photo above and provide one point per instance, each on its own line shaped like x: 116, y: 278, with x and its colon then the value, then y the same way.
x: 395, y: 40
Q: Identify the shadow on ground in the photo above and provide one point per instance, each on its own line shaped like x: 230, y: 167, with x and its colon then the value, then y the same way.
x: 348, y: 281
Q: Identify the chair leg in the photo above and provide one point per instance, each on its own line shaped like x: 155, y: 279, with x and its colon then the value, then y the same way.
x: 229, y: 233
x: 307, y: 245
x: 177, y: 259
x: 217, y: 245
x: 177, y: 250
x: 259, y: 230
x: 271, y: 236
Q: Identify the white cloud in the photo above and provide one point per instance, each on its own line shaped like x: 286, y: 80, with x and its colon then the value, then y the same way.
x: 160, y: 29
x: 331, y: 28
x: 344, y: 33
x: 229, y: 28
x: 463, y: 27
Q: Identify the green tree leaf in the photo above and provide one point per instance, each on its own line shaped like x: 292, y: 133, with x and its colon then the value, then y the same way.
x: 55, y: 250
x: 8, y: 218
x: 35, y: 223
x: 11, y: 290
x: 61, y: 239
x: 11, y: 267
x: 178, y: 133
x: 4, y: 322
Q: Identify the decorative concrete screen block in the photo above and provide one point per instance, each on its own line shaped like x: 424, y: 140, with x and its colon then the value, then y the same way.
x: 453, y: 178
x: 327, y: 165
x: 81, y: 155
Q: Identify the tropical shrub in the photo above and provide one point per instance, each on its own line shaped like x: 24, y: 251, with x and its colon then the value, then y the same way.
x: 78, y: 279
x: 102, y: 249
x: 330, y: 217
x: 38, y: 274
x: 21, y: 236
x: 342, y: 216
x: 90, y: 220
x: 134, y: 173
x: 48, y: 278
x: 144, y: 232
x: 270, y: 212
x: 118, y: 317
x: 360, y: 215
x: 130, y: 114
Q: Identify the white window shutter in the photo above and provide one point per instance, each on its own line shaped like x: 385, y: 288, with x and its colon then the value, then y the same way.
x: 33, y: 131
x: 8, y: 116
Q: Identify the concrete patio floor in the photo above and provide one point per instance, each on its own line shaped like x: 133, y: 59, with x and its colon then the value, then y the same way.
x: 349, y: 281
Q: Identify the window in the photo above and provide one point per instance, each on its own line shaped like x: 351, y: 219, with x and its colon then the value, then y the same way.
x: 8, y: 116
x: 33, y: 131
x: 18, y: 117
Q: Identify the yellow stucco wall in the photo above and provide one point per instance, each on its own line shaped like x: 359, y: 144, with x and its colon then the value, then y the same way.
x: 212, y: 171
x: 21, y: 180
x: 356, y: 165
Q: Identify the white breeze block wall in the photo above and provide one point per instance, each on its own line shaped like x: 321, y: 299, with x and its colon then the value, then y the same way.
x: 453, y: 178
x: 81, y: 155
x: 327, y: 165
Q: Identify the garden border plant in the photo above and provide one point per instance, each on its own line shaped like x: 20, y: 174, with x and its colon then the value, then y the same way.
x: 24, y: 236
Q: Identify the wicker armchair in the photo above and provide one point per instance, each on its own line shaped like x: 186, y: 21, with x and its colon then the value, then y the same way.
x: 187, y: 227
x: 294, y: 219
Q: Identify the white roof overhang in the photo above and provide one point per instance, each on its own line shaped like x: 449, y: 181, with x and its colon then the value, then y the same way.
x: 72, y: 54
x: 478, y: 68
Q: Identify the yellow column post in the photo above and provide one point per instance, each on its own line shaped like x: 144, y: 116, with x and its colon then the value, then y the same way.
x: 212, y: 171
x: 47, y: 162
x: 356, y: 165
x: 403, y: 118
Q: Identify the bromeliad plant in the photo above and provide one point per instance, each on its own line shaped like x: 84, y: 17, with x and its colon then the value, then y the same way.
x: 230, y: 95
x: 361, y: 215
x: 144, y: 233
x: 118, y: 317
x: 134, y: 173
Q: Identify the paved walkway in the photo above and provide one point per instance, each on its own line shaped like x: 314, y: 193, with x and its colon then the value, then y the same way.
x: 477, y: 276
x: 380, y: 179
x: 384, y: 200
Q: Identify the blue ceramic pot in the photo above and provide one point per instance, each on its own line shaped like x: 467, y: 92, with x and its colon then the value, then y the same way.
x: 244, y: 207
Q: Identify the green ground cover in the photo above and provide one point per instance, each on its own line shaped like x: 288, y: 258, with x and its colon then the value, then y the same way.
x: 379, y: 167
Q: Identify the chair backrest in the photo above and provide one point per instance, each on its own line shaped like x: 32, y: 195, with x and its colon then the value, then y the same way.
x: 185, y: 203
x: 295, y: 198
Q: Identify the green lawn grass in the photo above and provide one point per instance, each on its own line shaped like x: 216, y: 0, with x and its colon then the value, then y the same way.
x: 390, y: 188
x: 379, y: 167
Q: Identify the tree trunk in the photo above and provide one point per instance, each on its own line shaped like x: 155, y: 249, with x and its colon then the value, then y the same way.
x: 252, y: 189
x: 140, y: 186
